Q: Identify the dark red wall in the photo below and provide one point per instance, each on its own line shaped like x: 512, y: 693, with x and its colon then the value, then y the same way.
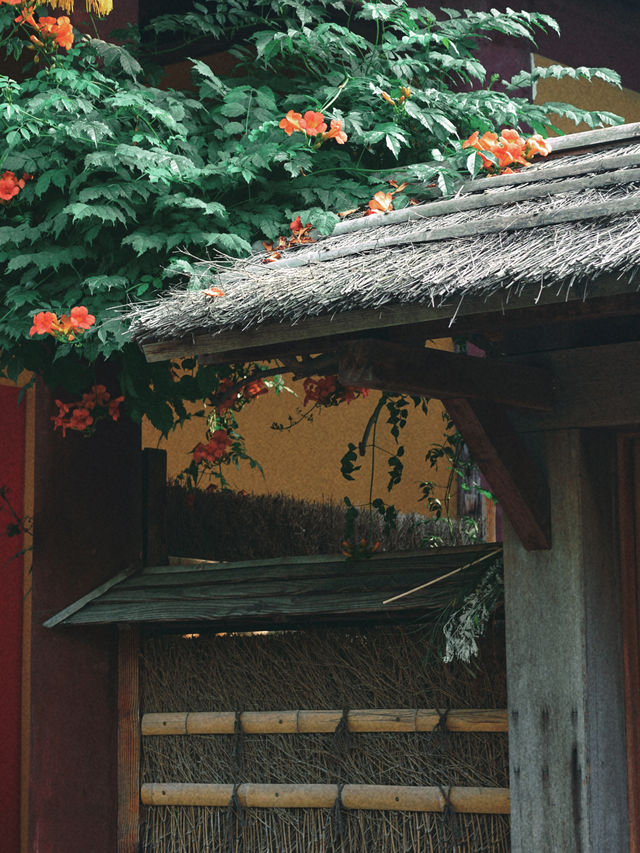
x: 87, y: 528
x: 12, y: 448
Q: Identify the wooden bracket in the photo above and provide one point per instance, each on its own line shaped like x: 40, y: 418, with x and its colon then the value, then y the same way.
x: 514, y: 478
x: 428, y: 372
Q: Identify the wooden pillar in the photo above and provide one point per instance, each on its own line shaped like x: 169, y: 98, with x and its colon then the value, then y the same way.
x: 629, y: 519
x: 564, y: 661
x: 154, y: 553
x: 87, y: 528
x: 12, y: 464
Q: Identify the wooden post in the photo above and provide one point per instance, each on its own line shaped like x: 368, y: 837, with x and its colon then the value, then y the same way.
x: 128, y: 740
x: 154, y: 552
x: 154, y: 499
x: 564, y: 662
x: 629, y: 517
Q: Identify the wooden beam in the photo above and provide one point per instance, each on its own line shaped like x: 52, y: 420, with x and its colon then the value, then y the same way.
x: 311, y: 587
x: 128, y: 740
x: 499, y: 223
x: 513, y: 476
x: 429, y: 372
x: 596, y: 386
x: 492, y: 313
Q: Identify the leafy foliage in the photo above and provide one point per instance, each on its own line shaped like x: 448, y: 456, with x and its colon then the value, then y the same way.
x: 127, y: 174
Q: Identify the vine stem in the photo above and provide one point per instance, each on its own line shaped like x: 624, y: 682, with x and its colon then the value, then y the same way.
x: 373, y: 470
x: 362, y: 446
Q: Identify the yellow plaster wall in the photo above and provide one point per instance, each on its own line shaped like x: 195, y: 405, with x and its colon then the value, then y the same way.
x: 305, y: 462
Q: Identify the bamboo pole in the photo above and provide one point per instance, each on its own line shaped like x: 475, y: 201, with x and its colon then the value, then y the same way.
x: 370, y: 797
x: 308, y: 722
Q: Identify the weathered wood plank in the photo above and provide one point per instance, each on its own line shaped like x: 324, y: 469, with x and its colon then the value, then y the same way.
x: 184, y: 608
x: 428, y: 372
x: 493, y: 311
x: 329, y: 585
x: 500, y: 454
x: 270, y: 590
x: 62, y: 615
x: 595, y: 387
x: 308, y: 568
x: 311, y: 722
x: 306, y: 564
x: 378, y: 797
x: 128, y: 740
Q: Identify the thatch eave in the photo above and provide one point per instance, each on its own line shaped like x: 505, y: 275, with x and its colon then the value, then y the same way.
x: 563, y: 232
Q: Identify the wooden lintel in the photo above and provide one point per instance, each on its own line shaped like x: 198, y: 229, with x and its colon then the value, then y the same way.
x: 597, y: 386
x: 428, y: 372
x: 512, y: 474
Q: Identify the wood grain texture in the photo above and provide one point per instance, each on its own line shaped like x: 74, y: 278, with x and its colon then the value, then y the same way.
x: 564, y: 661
x: 428, y: 372
x: 276, y: 589
x: 589, y: 138
x: 310, y: 721
x: 377, y: 797
x: 128, y: 740
x: 512, y: 474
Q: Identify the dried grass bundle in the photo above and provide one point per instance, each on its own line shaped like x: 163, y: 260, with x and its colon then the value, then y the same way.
x: 228, y: 526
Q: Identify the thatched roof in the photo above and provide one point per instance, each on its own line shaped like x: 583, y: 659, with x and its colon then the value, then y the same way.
x: 542, y: 234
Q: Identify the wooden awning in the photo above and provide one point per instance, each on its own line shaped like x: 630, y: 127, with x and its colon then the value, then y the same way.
x: 283, y: 591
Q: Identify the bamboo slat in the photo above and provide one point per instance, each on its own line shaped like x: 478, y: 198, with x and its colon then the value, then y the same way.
x: 307, y: 722
x: 371, y: 797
